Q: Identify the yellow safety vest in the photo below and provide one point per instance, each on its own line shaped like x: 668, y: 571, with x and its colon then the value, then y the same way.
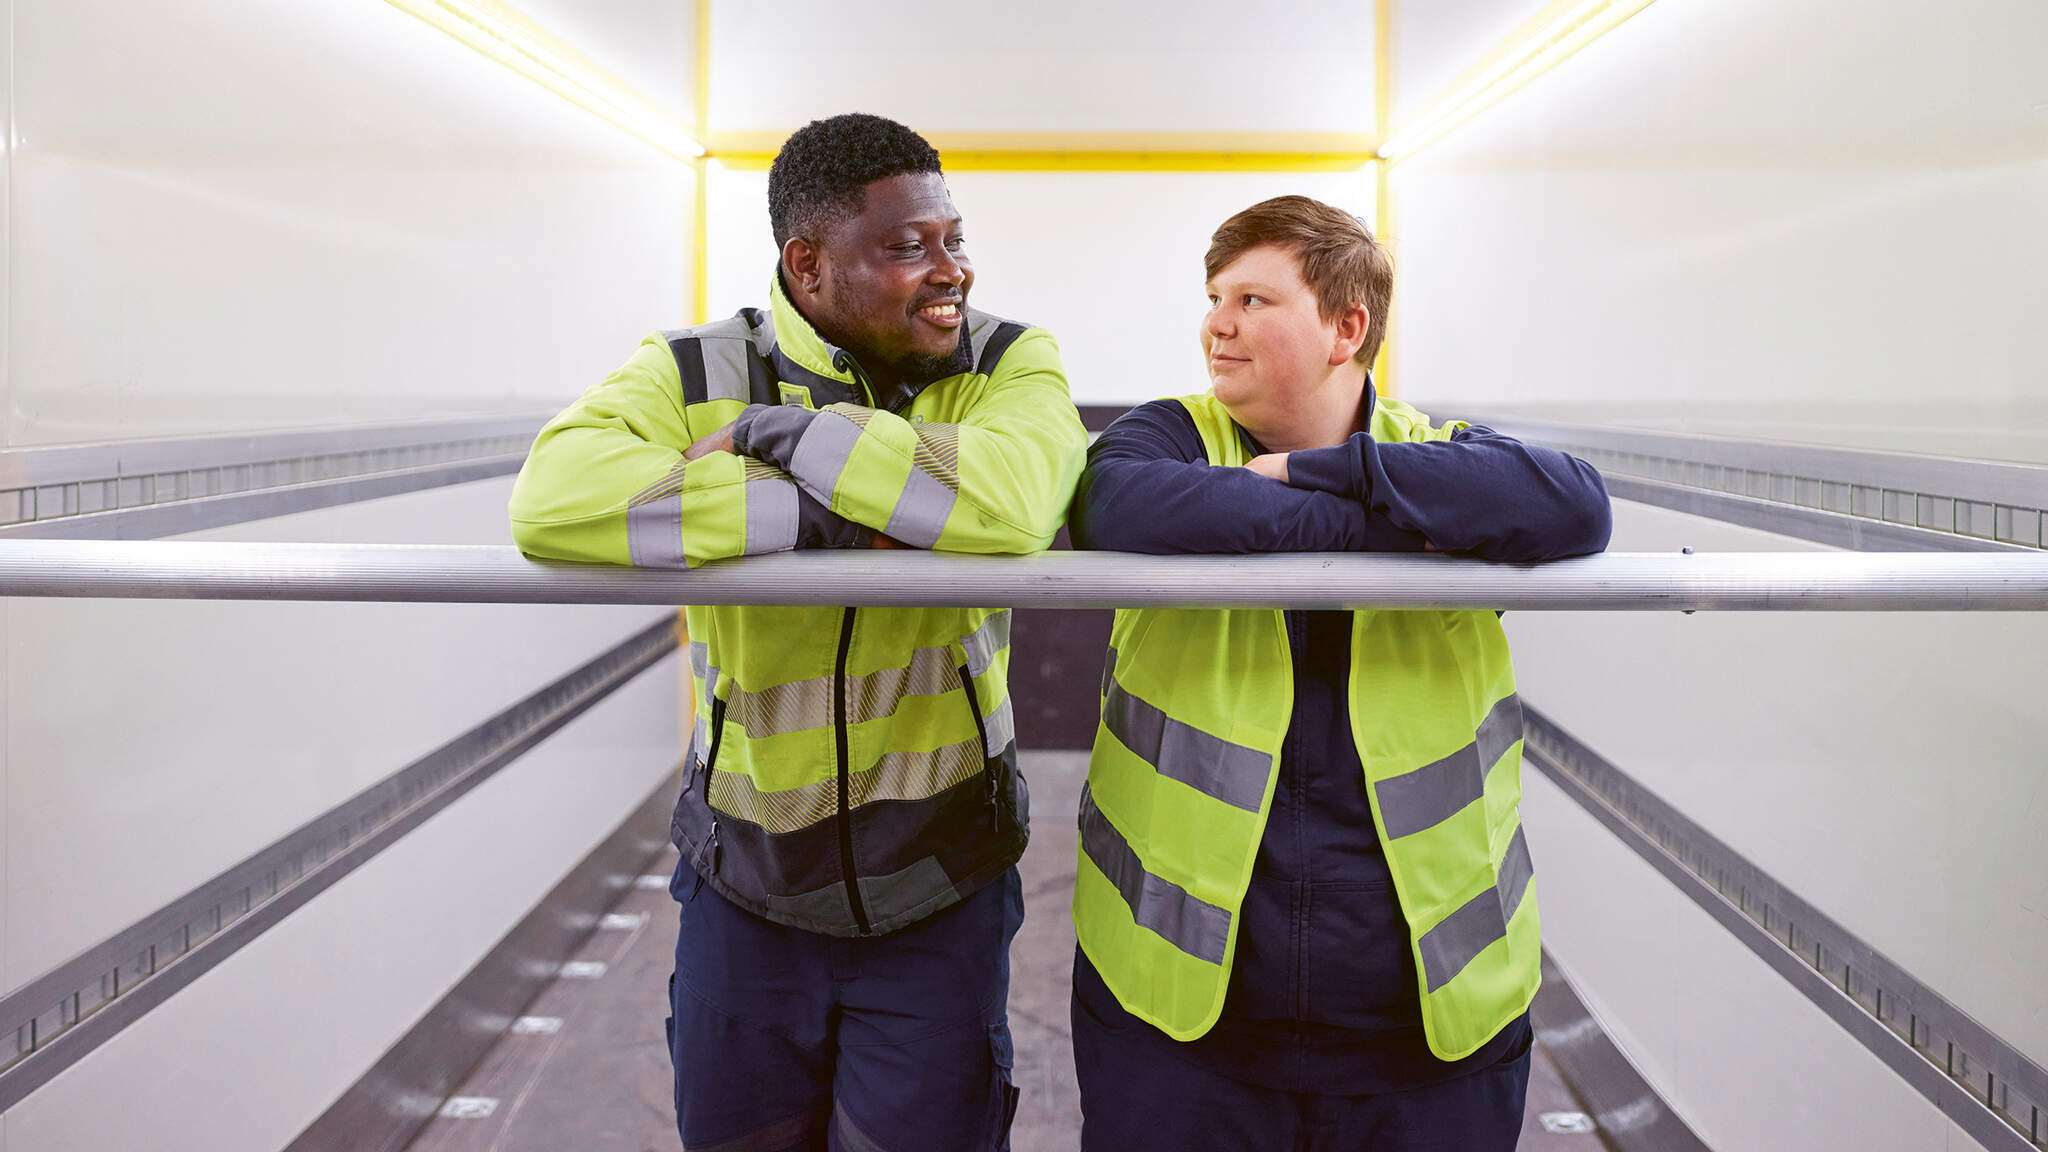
x: 1195, y: 705
x: 851, y: 770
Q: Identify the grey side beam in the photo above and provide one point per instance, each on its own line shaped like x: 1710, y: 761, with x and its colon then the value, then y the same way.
x: 1840, y: 582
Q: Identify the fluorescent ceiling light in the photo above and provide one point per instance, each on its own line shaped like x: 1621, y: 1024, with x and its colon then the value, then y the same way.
x: 1540, y: 46
x: 500, y: 32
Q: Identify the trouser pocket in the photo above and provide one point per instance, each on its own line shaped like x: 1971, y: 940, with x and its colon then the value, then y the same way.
x: 1003, y: 1091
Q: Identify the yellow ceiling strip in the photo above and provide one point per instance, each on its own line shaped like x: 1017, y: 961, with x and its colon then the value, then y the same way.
x: 500, y: 32
x: 700, y: 222
x: 1091, y: 161
x: 1548, y: 39
x: 1382, y: 201
x: 1104, y: 151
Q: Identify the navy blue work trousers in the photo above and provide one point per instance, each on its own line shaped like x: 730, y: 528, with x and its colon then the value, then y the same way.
x: 786, y: 1039
x: 1139, y: 1095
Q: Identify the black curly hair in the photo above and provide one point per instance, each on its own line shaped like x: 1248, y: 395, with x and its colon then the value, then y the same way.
x: 821, y: 175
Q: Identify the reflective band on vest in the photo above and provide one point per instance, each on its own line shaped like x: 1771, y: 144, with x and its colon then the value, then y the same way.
x: 1195, y: 705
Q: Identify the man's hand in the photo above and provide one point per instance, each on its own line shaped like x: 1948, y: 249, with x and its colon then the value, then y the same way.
x: 719, y: 441
x: 1273, y: 466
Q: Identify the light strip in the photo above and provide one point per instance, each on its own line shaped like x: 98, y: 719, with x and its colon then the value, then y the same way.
x: 1105, y: 151
x: 700, y: 213
x: 1543, y: 43
x: 1382, y: 199
x: 500, y: 32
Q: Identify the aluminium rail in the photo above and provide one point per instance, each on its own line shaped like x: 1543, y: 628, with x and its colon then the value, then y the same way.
x: 1842, y: 582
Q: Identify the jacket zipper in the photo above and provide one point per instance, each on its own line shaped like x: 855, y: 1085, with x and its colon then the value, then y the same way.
x: 860, y: 914
x: 711, y: 767
x: 988, y: 763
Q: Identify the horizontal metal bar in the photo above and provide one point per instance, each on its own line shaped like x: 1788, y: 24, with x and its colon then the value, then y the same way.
x: 71, y: 463
x: 154, y: 521
x: 61, y: 1016
x: 1974, y: 1077
x: 1843, y: 582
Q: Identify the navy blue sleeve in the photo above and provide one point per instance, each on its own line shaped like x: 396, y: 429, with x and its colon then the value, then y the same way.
x: 769, y: 432
x: 820, y: 527
x: 1479, y: 493
x: 1148, y: 487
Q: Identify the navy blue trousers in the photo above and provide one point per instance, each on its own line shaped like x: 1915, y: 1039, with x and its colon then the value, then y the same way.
x: 1139, y: 1095
x: 785, y: 1039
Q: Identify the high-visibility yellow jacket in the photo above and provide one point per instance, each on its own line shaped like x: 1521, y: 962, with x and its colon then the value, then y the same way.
x: 851, y: 770
x: 1195, y: 706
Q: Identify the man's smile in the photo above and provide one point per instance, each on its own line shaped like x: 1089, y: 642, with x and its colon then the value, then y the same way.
x: 943, y: 315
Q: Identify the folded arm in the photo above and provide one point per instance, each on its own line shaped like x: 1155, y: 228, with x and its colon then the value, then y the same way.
x: 606, y: 481
x: 1472, y: 491
x: 998, y: 480
x: 1148, y: 487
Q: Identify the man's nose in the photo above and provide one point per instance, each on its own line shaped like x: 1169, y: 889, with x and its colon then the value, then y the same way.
x: 1219, y: 322
x: 947, y: 270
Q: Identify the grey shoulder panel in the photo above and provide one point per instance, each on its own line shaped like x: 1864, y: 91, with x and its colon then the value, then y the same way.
x: 990, y: 336
x: 718, y: 360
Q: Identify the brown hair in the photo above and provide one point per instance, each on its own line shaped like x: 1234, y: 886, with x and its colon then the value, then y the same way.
x: 1340, y: 261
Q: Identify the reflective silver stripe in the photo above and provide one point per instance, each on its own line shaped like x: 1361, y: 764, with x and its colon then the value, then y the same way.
x: 822, y: 453
x: 1196, y: 927
x: 1209, y: 764
x: 1415, y: 801
x: 984, y: 642
x: 805, y: 704
x: 693, y: 756
x: 1108, y: 671
x: 919, y: 518
x: 1460, y: 937
x: 1516, y: 869
x: 771, y: 516
x: 1001, y: 725
x: 654, y: 533
x: 725, y: 368
x: 851, y: 1138
x: 897, y: 776
x: 700, y: 663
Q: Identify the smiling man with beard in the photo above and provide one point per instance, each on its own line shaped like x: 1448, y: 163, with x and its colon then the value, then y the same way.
x: 851, y: 813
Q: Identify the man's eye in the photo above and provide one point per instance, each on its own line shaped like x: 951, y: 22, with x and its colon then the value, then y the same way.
x: 911, y: 249
x: 1250, y: 299
x: 956, y: 244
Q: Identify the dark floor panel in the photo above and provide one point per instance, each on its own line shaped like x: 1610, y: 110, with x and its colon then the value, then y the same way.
x: 600, y: 1082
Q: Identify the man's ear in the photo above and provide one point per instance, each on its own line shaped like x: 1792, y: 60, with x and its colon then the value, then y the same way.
x: 1351, y: 329
x: 803, y: 266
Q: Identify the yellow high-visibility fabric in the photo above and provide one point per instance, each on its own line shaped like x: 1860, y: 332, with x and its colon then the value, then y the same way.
x: 1196, y: 704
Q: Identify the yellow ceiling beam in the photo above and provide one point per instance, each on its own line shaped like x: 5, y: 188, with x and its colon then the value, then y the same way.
x: 1382, y: 199
x: 502, y: 33
x: 1548, y: 39
x: 700, y: 214
x: 1104, y: 151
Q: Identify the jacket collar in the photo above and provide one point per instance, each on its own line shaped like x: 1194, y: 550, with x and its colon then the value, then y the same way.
x: 804, y: 356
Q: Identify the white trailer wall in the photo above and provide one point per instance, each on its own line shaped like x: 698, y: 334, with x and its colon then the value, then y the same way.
x: 231, y: 217
x: 1111, y: 262
x: 1822, y: 222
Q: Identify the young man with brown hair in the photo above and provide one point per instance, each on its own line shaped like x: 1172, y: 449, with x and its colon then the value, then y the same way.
x: 1304, y: 903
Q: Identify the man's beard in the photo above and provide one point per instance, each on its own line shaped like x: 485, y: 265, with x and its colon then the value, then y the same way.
x: 918, y: 369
